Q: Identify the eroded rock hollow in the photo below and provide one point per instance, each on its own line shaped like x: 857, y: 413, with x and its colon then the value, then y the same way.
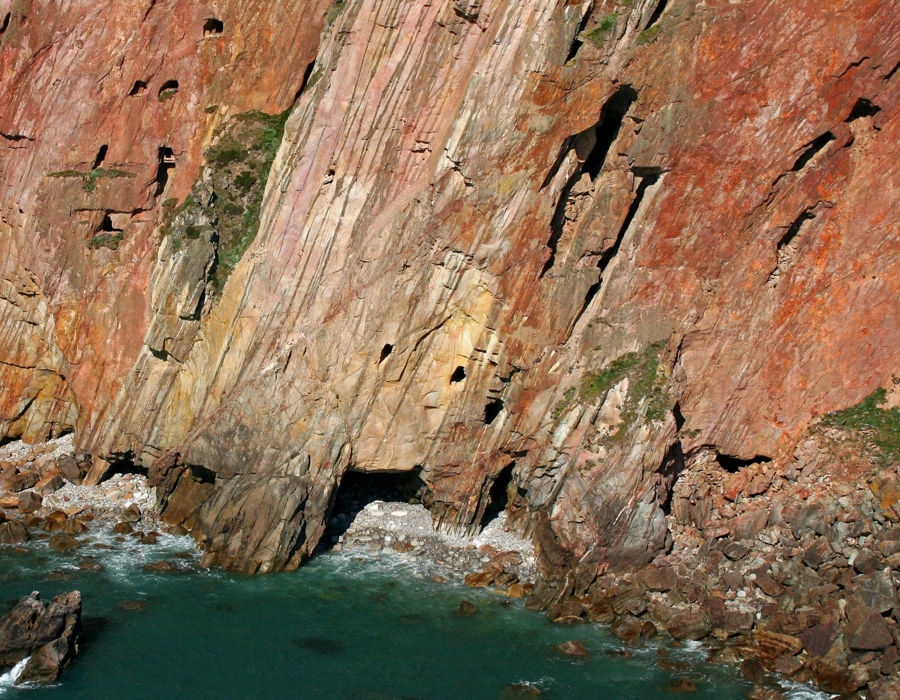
x: 573, y: 249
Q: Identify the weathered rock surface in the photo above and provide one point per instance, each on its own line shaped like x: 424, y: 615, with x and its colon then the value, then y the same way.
x: 47, y: 632
x: 586, y: 248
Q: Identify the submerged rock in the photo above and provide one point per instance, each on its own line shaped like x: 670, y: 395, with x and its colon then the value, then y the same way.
x: 47, y: 632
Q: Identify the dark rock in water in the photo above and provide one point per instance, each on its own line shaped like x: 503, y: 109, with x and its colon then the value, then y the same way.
x: 320, y: 645
x: 753, y: 670
x: 466, y: 609
x: 69, y: 468
x: 12, y: 532
x: 149, y: 538
x: 132, y: 605
x: 159, y: 566
x: 683, y: 685
x: 132, y: 514
x: 63, y: 543
x: 123, y: 528
x: 48, y: 632
x: 178, y: 530
x: 29, y: 501
x: 88, y: 565
x: 627, y: 628
x: 760, y: 693
x: 574, y: 647
x: 520, y: 691
x: 74, y: 527
x: 688, y: 625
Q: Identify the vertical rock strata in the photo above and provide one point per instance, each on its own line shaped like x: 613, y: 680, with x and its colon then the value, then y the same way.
x: 571, y: 245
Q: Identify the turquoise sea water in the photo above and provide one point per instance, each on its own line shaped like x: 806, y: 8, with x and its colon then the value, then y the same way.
x: 338, y: 628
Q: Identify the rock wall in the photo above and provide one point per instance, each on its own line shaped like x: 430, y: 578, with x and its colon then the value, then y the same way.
x: 573, y: 245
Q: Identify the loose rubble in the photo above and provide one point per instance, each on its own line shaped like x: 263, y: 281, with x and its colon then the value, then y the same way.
x: 788, y: 569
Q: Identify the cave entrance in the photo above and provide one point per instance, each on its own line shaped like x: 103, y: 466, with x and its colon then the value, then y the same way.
x: 359, y: 489
x: 499, y: 495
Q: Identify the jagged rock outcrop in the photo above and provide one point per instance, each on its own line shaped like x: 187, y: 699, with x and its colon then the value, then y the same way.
x: 578, y: 246
x: 48, y: 633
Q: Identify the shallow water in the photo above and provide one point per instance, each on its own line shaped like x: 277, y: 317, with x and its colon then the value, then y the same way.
x: 338, y: 628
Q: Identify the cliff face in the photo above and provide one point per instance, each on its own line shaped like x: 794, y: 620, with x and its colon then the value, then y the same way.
x: 573, y: 245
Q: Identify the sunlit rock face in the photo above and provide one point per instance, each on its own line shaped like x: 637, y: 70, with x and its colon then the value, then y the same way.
x: 570, y: 246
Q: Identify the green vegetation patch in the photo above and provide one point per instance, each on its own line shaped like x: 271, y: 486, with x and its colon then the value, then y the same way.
x: 597, y: 35
x: 880, y: 425
x: 648, y: 35
x: 90, y: 178
x: 105, y: 240
x: 240, y: 163
x: 645, y: 387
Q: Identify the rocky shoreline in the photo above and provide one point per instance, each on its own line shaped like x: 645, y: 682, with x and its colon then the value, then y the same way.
x: 789, y: 570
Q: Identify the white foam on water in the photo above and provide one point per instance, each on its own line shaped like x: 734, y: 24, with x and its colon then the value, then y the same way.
x: 801, y: 691
x: 8, y: 679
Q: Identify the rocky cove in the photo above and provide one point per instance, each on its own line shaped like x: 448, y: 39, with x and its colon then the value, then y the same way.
x: 587, y: 304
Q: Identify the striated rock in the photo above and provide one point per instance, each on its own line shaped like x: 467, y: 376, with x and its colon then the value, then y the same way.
x: 70, y: 470
x: 661, y: 578
x: 627, y: 628
x: 688, y: 625
x: 48, y: 632
x: 21, y: 481
x: 29, y: 502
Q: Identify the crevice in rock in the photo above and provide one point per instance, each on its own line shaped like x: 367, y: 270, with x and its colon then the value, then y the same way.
x: 734, y: 464
x: 386, y: 352
x: 101, y: 156
x: 591, y: 148
x: 498, y: 495
x: 577, y: 43
x: 213, y: 27
x: 672, y: 466
x: 647, y: 180
x: 493, y: 409
x: 812, y: 149
x: 657, y: 13
x: 458, y: 375
x: 5, y: 24
x: 166, y: 158
x: 863, y: 108
x: 307, y: 74
x: 892, y: 72
x: 786, y: 251
x: 139, y: 88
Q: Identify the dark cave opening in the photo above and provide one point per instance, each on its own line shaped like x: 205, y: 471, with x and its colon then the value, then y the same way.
x: 498, y: 496
x: 577, y: 43
x: 168, y: 90
x: 5, y: 25
x: 863, y: 108
x: 386, y: 352
x: 734, y: 464
x: 492, y: 410
x: 213, y: 27
x: 166, y: 158
x: 307, y: 74
x: 139, y: 88
x: 657, y: 13
x: 101, y: 156
x: 794, y: 229
x: 359, y: 489
x: 123, y: 464
x: 812, y: 149
x: 106, y: 226
x: 458, y: 375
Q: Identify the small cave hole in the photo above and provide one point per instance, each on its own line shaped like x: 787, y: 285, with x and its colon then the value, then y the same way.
x: 101, y: 156
x: 106, y: 226
x: 577, y: 43
x: 5, y: 24
x: 386, y: 352
x: 166, y: 159
x: 307, y: 74
x: 812, y: 149
x: 733, y: 464
x: 795, y: 228
x: 124, y: 464
x: 213, y: 27
x: 657, y: 13
x: 167, y: 90
x: 458, y: 375
x: 498, y: 496
x: 139, y: 88
x: 492, y: 410
x: 863, y: 108
x: 359, y: 489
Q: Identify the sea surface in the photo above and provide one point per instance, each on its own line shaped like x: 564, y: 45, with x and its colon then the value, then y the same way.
x: 341, y: 627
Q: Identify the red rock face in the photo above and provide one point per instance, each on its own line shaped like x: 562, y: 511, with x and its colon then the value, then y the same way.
x: 639, y: 231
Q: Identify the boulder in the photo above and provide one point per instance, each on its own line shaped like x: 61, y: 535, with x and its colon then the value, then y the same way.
x: 63, y: 543
x: 877, y: 591
x: 627, y: 628
x: 867, y: 562
x: 13, y: 532
x: 29, y: 501
x: 817, y: 640
x: 688, y: 625
x: 70, y: 470
x: 658, y: 578
x: 573, y: 647
x: 885, y: 689
x: 465, y: 609
x: 48, y: 632
x: 817, y: 553
x: 132, y: 514
x: 21, y: 481
x: 868, y: 631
